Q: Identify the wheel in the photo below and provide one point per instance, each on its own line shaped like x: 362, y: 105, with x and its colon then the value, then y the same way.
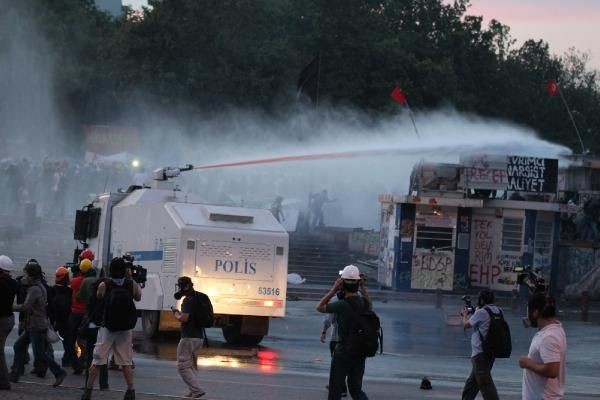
x: 150, y: 321
x: 232, y: 334
x: 251, y: 340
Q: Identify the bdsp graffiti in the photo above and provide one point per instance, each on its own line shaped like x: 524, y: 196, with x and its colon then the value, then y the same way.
x: 432, y: 271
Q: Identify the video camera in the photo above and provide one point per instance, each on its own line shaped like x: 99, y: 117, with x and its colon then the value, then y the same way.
x: 530, y: 278
x: 468, y: 304
x: 138, y: 273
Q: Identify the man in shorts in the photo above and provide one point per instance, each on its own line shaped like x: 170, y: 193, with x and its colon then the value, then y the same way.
x: 116, y: 294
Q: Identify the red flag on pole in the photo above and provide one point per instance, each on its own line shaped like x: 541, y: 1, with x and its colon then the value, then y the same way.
x: 398, y: 95
x: 552, y: 88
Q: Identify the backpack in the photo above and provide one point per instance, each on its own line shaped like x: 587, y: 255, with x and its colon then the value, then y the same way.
x: 497, y: 342
x: 366, y: 334
x: 203, y: 315
x: 120, y: 313
x: 94, y: 308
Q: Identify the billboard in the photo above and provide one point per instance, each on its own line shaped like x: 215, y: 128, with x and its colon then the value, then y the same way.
x: 513, y: 173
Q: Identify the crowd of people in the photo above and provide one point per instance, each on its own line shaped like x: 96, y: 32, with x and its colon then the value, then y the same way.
x: 57, y: 186
x: 98, y: 316
x: 94, y: 317
x: 86, y: 311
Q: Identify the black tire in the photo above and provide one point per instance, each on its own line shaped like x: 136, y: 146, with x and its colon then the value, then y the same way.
x: 232, y: 334
x: 150, y: 320
x: 251, y: 340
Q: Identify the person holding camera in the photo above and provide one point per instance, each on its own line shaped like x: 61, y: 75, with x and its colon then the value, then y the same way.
x: 544, y: 368
x: 116, y: 333
x: 196, y: 314
x: 480, y: 379
x: 344, y: 364
x: 329, y: 321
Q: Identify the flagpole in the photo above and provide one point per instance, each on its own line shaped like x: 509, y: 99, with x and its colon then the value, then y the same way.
x: 572, y: 120
x: 412, y: 118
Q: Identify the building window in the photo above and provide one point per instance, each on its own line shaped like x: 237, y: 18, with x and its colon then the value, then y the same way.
x: 429, y: 237
x: 512, y: 234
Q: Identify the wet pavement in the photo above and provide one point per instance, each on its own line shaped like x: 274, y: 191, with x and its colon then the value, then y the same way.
x: 291, y: 363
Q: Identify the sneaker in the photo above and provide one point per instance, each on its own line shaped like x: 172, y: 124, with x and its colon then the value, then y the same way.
x: 87, y: 394
x: 60, y: 378
x: 6, y: 386
x: 129, y: 394
x: 195, y: 395
x: 14, y: 377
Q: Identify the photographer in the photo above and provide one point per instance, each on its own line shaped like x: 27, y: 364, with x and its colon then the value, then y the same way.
x: 480, y: 379
x: 345, y: 364
x: 195, y: 314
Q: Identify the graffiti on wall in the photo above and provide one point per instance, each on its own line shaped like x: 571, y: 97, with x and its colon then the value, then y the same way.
x: 432, y: 270
x: 580, y: 271
x: 488, y: 266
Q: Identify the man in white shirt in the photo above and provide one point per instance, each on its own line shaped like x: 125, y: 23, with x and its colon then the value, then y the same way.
x: 544, y: 367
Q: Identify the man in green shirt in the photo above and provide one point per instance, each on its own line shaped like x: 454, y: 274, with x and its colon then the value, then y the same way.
x: 344, y: 364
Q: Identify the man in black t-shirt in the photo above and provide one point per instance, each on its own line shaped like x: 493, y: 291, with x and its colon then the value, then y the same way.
x: 8, y: 291
x: 192, y: 337
x: 346, y: 365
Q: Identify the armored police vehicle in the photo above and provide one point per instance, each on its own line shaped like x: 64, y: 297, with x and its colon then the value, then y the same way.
x: 237, y: 256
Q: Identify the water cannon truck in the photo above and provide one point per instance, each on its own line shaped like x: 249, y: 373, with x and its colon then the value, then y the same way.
x: 237, y: 256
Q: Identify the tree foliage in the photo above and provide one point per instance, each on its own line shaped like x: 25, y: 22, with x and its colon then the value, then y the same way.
x: 191, y: 55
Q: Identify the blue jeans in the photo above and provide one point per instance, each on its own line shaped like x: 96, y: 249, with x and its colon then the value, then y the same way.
x: 344, y: 366
x: 38, y: 344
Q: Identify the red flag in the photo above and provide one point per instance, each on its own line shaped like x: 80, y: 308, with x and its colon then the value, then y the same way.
x: 552, y: 88
x: 398, y: 95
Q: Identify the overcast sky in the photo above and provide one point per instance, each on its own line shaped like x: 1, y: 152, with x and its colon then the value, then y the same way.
x: 561, y: 23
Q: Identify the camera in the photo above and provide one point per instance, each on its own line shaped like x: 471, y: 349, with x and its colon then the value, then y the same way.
x: 138, y: 273
x: 530, y: 278
x: 468, y: 304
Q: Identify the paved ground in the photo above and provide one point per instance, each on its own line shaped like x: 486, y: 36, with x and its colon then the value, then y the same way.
x: 292, y: 364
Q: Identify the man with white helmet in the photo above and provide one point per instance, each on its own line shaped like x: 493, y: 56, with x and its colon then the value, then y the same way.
x: 8, y: 291
x: 344, y: 364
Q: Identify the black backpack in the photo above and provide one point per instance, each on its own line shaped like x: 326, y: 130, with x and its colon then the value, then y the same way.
x: 366, y: 335
x: 120, y: 313
x: 497, y: 342
x: 203, y: 316
x: 94, y: 307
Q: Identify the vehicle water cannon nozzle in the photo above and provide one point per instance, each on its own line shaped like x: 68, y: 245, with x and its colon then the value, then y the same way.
x: 165, y: 173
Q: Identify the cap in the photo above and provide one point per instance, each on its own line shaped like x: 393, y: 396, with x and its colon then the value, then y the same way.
x: 61, y: 274
x: 117, y: 268
x: 350, y: 272
x: 184, y: 280
x: 85, y: 266
x: 6, y: 263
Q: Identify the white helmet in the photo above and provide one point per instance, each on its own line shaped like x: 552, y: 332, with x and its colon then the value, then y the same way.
x: 6, y: 263
x: 350, y: 272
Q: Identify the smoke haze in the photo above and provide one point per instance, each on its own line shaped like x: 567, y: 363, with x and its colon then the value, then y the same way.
x: 30, y: 127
